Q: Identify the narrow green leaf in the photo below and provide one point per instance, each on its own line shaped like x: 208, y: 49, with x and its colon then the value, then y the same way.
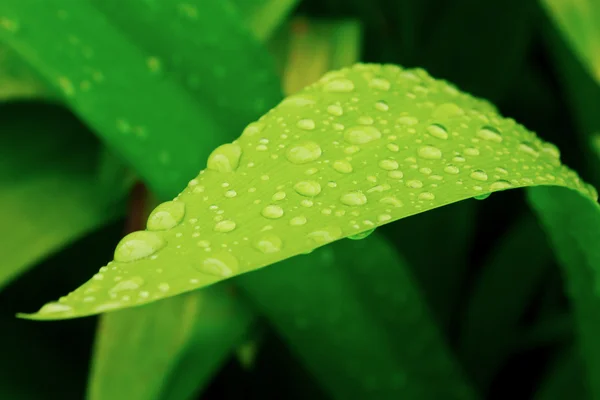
x: 578, y: 22
x: 363, y: 329
x: 496, y: 304
x: 363, y: 147
x: 139, y: 348
x: 573, y: 225
x: 48, y: 195
x: 564, y: 379
x: 263, y: 17
x: 17, y: 80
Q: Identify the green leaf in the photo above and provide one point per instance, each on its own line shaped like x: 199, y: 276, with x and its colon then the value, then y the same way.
x: 573, y: 225
x: 17, y: 80
x: 363, y: 147
x: 138, y: 349
x: 578, y: 22
x: 263, y: 17
x: 496, y: 304
x: 564, y: 379
x: 362, y: 330
x: 49, y: 195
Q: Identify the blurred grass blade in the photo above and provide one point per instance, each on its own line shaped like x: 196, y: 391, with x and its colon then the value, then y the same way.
x: 578, y: 22
x: 573, y: 224
x: 48, y: 195
x: 261, y: 197
x: 496, y: 304
x: 17, y: 80
x: 564, y: 379
x: 263, y: 17
x: 204, y: 47
x: 352, y: 313
x: 139, y: 348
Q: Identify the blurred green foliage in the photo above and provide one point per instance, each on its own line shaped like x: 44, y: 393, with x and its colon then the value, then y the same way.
x: 510, y: 322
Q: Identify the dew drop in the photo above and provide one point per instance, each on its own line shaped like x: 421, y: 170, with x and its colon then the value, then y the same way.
x: 551, y: 150
x: 298, y: 221
x: 307, y: 188
x: 221, y: 264
x: 490, y: 133
x: 298, y: 101
x: 51, y: 308
x: 341, y: 85
x: 447, y: 110
x: 482, y: 196
x: 138, y: 245
x: 407, y: 120
x: 500, y: 185
x: 272, y: 212
x: 166, y: 216
x: 224, y: 226
x: 380, y: 84
x: 325, y: 235
x: 472, y: 151
x: 365, y: 120
x: 129, y: 284
x: 438, y: 131
x: 388, y: 165
x: 528, y: 148
x: 354, y: 198
x: 429, y: 153
x: 268, y: 243
x: 452, y: 169
x: 278, y: 196
x: 361, y: 134
x: 342, y: 166
x: 253, y: 129
x: 225, y: 158
x: 426, y: 196
x: 361, y: 235
x: 306, y: 124
x: 414, y: 184
x: 396, y: 174
x: 335, y: 109
x: 303, y: 153
x: 382, y: 106
x: 479, y: 175
x: 392, y: 201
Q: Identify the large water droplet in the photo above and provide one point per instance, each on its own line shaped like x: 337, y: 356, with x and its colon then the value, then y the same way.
x: 138, y: 245
x: 325, y: 235
x: 272, y: 211
x: 479, y: 175
x: 342, y: 166
x: 221, y: 264
x: 303, y: 153
x: 225, y: 226
x: 341, y: 85
x: 225, y: 158
x: 447, y: 110
x: 438, y: 131
x: 361, y: 134
x: 268, y: 243
x: 429, y: 152
x: 166, y: 216
x: 490, y: 133
x: 354, y: 198
x: 308, y: 188
x: 361, y: 235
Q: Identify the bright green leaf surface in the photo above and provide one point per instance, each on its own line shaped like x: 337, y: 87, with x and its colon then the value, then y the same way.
x: 51, y: 194
x: 578, y: 22
x: 364, y: 146
x: 138, y: 348
x: 573, y: 225
x: 353, y: 314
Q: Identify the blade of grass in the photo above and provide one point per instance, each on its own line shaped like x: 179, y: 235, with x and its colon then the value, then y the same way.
x: 17, y: 80
x: 573, y: 224
x: 496, y: 304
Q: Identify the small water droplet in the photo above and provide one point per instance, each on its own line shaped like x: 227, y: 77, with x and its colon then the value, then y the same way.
x: 224, y: 226
x: 306, y: 124
x: 438, y: 131
x: 414, y: 184
x: 529, y: 148
x: 396, y: 174
x: 479, y: 175
x: 407, y: 120
x: 471, y: 151
x: 392, y: 201
x: 366, y: 120
x: 225, y: 158
x: 272, y: 211
x: 129, y: 284
x: 426, y: 196
x: 166, y: 216
x: 490, y: 133
x: 380, y: 84
x: 341, y: 85
x: 298, y: 221
x: 298, y: 101
x: 388, y: 164
x: 452, y: 169
x: 342, y: 166
x: 307, y: 188
x: 253, y: 129
x: 325, y: 235
x: 361, y: 235
x: 354, y: 198
x: 361, y: 134
x: 429, y: 153
x: 138, y: 245
x: 382, y: 106
x: 278, y: 196
x: 482, y: 196
x: 268, y: 243
x: 551, y: 150
x: 52, y: 308
x: 221, y: 264
x: 447, y: 110
x: 335, y: 109
x: 303, y: 153
x: 500, y: 185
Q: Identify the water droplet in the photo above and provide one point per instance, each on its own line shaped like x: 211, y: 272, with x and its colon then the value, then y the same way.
x: 342, y: 166
x: 51, y: 308
x: 426, y: 196
x: 221, y: 264
x: 361, y: 134
x: 278, y: 196
x: 447, y: 110
x: 225, y: 158
x: 298, y: 221
x: 380, y: 84
x: 500, y: 185
x: 298, y: 101
x: 407, y: 120
x: 341, y: 85
x: 325, y: 235
x: 307, y: 188
x: 166, y: 216
x: 482, y: 196
x: 479, y: 175
x: 528, y: 148
x: 396, y: 174
x: 224, y: 226
x: 414, y: 184
x: 335, y: 109
x: 230, y: 194
x: 268, y: 243
x: 272, y: 211
x: 354, y: 198
x: 388, y: 165
x: 471, y: 151
x: 551, y: 150
x: 303, y: 153
x: 490, y: 133
x: 452, y: 169
x: 391, y: 200
x: 138, y: 245
x: 361, y: 235
x: 306, y: 124
x: 382, y: 106
x: 430, y: 153
x: 253, y: 129
x: 438, y: 131
x: 129, y: 284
